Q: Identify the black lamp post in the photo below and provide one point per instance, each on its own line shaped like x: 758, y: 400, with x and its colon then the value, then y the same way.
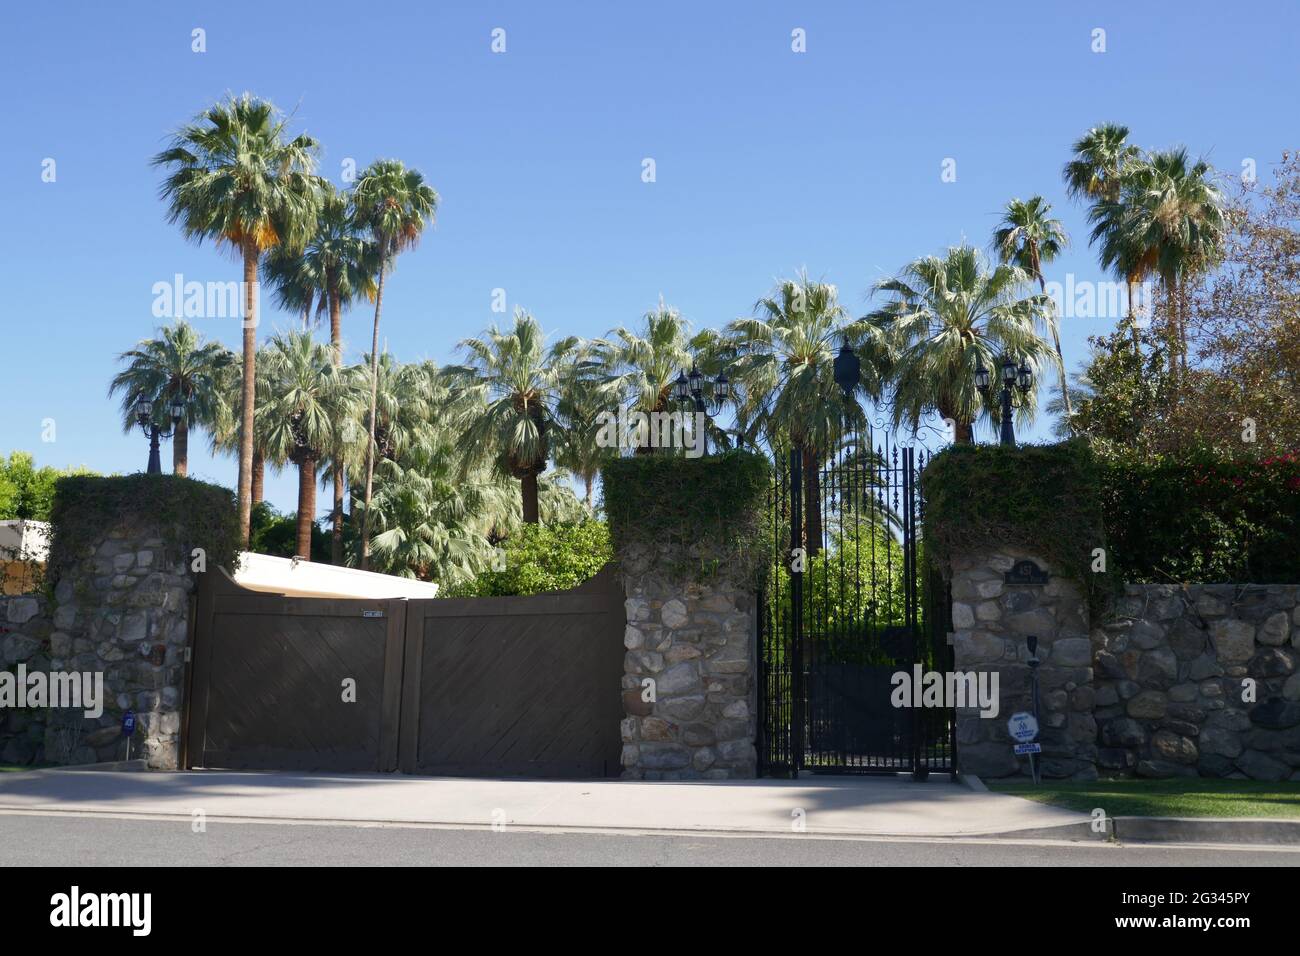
x: 1021, y: 378
x: 144, y: 417
x: 688, y: 388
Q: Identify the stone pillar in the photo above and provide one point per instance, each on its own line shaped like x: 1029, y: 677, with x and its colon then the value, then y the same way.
x: 691, y: 649
x: 991, y: 619
x: 122, y: 608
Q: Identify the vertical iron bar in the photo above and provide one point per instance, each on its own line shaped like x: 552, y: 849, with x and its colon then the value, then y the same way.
x: 797, y: 703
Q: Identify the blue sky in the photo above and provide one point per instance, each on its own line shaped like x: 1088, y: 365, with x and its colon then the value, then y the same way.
x: 767, y: 160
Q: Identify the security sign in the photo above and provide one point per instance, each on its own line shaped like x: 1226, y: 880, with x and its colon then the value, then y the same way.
x: 1023, y: 726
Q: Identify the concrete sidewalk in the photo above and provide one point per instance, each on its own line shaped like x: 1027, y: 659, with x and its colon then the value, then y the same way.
x: 890, y: 806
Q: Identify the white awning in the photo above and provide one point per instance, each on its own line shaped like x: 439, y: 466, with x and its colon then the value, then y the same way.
x: 262, y: 572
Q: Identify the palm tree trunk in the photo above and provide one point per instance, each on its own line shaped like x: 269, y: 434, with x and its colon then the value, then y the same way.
x: 1132, y: 316
x: 812, y: 508
x: 528, y: 489
x: 374, y: 400
x: 306, y: 505
x: 181, y: 449
x: 589, y: 482
x: 336, y: 468
x: 259, y: 476
x: 1060, y: 361
x: 247, y: 393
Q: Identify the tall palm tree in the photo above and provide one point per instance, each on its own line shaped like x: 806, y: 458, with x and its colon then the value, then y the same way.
x: 516, y: 378
x: 784, y: 367
x: 303, y: 395
x: 1095, y: 170
x: 1028, y: 237
x: 176, y: 363
x: 581, y: 401
x: 947, y: 316
x: 337, y: 265
x: 642, y: 364
x: 394, y: 203
x: 236, y: 178
x: 1169, y: 221
x: 1101, y: 159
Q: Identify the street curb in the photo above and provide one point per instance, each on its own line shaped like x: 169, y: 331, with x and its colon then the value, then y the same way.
x: 972, y: 782
x: 115, y: 765
x: 1207, y: 830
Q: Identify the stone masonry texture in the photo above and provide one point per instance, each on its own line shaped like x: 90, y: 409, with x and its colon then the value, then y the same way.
x: 1179, y: 680
x: 120, y: 607
x: 696, y: 643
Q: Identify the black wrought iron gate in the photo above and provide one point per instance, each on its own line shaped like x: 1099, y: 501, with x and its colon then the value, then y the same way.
x: 852, y: 618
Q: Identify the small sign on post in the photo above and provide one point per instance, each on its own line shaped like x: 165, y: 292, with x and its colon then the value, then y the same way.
x: 128, y: 729
x: 1023, y: 727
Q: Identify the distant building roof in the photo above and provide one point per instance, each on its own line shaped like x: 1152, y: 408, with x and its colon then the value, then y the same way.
x: 263, y: 572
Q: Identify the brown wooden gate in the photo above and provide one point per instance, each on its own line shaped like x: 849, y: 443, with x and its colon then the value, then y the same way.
x: 515, y: 686
x: 475, y: 686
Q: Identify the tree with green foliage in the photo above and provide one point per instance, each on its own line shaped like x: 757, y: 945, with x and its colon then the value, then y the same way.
x: 784, y: 368
x: 516, y: 378
x: 178, y: 363
x: 1029, y: 237
x: 543, y: 558
x: 303, y: 396
x: 394, y: 204
x: 236, y: 178
x: 948, y: 315
x: 27, y: 492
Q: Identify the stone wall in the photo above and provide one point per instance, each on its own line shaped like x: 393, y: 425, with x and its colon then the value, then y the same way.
x: 120, y: 608
x: 1161, y: 688
x: 1173, y: 669
x: 991, y: 621
x: 24, y: 639
x: 696, y: 642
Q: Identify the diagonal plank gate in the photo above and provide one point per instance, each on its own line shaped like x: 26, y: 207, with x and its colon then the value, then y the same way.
x: 509, y: 686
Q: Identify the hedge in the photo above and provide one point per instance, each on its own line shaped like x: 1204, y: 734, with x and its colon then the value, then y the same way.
x: 1204, y: 519
x: 1040, y: 498
x: 187, y: 514
x: 708, y: 513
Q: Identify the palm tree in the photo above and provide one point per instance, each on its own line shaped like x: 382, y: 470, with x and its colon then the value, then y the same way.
x: 1169, y: 221
x: 303, y: 395
x: 948, y: 315
x: 516, y: 378
x: 785, y: 370
x: 642, y: 364
x: 581, y: 401
x: 235, y: 178
x: 1096, y: 171
x: 1028, y: 237
x: 394, y: 203
x: 337, y: 265
x: 177, y: 363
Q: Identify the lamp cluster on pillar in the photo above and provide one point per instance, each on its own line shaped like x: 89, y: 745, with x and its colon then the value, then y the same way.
x: 1014, y: 378
x: 144, y: 417
x: 689, y: 389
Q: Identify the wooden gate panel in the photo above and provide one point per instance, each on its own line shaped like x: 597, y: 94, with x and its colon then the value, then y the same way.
x: 268, y: 686
x: 521, y: 686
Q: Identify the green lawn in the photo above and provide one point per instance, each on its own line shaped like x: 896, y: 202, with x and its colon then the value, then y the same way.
x: 1178, y: 797
x: 17, y: 768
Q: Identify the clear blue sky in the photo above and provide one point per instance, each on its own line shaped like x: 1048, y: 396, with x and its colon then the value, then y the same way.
x: 767, y: 160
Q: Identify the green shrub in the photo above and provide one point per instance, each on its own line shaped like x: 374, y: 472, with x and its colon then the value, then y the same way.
x: 271, y: 532
x: 187, y: 513
x: 541, y: 558
x: 1045, y: 499
x: 1203, y: 518
x: 712, y: 509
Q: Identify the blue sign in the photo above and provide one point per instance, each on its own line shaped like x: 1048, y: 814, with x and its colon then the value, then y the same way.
x: 128, y: 723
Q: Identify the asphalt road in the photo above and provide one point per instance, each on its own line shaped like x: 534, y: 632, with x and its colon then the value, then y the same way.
x: 105, y: 841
